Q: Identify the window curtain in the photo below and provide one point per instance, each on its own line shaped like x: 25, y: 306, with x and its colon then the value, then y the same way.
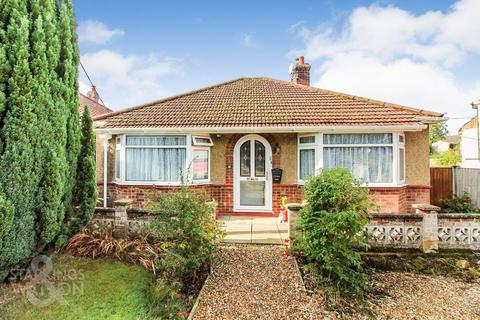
x: 369, y: 164
x: 155, y: 164
x: 156, y: 140
x: 307, y: 163
x: 370, y: 138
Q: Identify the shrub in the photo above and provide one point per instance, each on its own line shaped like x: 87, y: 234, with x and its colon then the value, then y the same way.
x: 143, y: 250
x: 332, y: 228
x: 462, y: 204
x: 184, y: 224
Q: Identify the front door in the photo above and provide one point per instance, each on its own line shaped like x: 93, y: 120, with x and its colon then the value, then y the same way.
x: 252, y: 166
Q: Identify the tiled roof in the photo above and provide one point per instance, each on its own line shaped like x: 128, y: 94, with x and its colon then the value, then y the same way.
x: 471, y: 124
x: 262, y: 102
x: 96, y: 109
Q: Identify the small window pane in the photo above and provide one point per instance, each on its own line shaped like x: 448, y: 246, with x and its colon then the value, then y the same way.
x: 156, y: 140
x: 310, y: 139
x: 117, y: 164
x: 401, y: 138
x: 307, y: 163
x: 202, y: 141
x: 252, y: 193
x: 245, y: 159
x: 402, y: 164
x: 368, y: 138
x: 259, y: 159
x: 200, y: 165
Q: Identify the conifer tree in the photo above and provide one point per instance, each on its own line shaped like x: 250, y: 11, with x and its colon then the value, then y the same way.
x: 49, y: 145
x: 4, y: 66
x: 86, y: 188
x: 40, y: 131
x: 68, y: 72
x: 17, y: 164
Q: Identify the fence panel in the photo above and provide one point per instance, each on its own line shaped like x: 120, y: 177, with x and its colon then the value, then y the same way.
x: 442, y: 184
x: 468, y: 180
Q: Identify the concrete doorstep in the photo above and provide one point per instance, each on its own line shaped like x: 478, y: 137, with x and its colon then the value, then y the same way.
x: 255, y: 230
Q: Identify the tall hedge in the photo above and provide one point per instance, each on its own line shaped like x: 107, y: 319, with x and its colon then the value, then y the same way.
x: 39, y: 128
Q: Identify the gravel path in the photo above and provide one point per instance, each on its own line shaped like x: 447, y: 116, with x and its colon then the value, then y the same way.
x: 413, y: 296
x: 254, y: 282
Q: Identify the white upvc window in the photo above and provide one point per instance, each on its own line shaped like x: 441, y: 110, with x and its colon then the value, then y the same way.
x: 307, y: 156
x: 377, y: 159
x: 201, y: 164
x: 118, y: 165
x: 160, y: 159
x: 401, y: 159
x: 202, y: 141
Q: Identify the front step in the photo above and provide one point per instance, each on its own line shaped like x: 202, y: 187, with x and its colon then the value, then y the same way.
x: 256, y: 230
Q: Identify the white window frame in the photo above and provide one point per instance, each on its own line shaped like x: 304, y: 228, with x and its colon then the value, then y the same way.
x: 205, y: 144
x: 401, y: 146
x: 202, y: 181
x: 319, y: 149
x: 309, y: 146
x: 188, y: 160
x: 118, y: 161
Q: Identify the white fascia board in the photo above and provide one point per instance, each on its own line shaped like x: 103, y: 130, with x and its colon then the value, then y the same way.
x: 226, y: 130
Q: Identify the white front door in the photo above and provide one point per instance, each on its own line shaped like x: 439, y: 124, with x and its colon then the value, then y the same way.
x: 252, y: 181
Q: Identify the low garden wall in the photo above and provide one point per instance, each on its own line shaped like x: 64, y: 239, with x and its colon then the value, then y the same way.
x: 132, y: 221
x: 426, y: 229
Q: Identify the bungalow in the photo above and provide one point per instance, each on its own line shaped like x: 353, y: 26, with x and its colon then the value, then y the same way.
x: 250, y: 141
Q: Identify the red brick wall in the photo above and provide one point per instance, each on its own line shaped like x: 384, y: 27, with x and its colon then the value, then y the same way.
x: 400, y: 199
x: 390, y: 200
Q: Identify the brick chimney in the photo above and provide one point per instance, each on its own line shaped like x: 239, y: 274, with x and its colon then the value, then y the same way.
x: 301, y: 72
x: 93, y: 94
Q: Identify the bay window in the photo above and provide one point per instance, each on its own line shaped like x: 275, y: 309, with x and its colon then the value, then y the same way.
x: 374, y: 158
x: 160, y: 159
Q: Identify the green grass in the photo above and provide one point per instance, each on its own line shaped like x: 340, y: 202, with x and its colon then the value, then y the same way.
x: 92, y: 289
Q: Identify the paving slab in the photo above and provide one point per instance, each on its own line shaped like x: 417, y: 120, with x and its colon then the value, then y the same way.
x: 261, y: 230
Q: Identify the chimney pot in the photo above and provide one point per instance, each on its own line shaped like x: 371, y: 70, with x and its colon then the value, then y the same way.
x: 301, y: 72
x: 93, y: 94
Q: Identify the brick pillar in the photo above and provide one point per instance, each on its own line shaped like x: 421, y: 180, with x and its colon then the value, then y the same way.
x: 429, y: 226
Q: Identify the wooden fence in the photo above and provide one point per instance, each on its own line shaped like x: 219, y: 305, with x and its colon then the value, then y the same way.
x: 442, y: 184
x: 449, y: 181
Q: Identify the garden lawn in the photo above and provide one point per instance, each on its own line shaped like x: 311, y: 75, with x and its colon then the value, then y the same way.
x: 93, y: 289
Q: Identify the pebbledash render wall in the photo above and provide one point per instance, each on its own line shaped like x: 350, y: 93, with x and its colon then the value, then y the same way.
x: 392, y: 200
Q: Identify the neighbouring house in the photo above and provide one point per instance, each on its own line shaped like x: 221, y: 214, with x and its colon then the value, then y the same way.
x: 449, y: 142
x: 469, y: 148
x: 91, y: 100
x: 232, y: 138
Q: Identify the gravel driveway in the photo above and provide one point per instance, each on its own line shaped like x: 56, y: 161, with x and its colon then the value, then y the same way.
x: 254, y: 282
